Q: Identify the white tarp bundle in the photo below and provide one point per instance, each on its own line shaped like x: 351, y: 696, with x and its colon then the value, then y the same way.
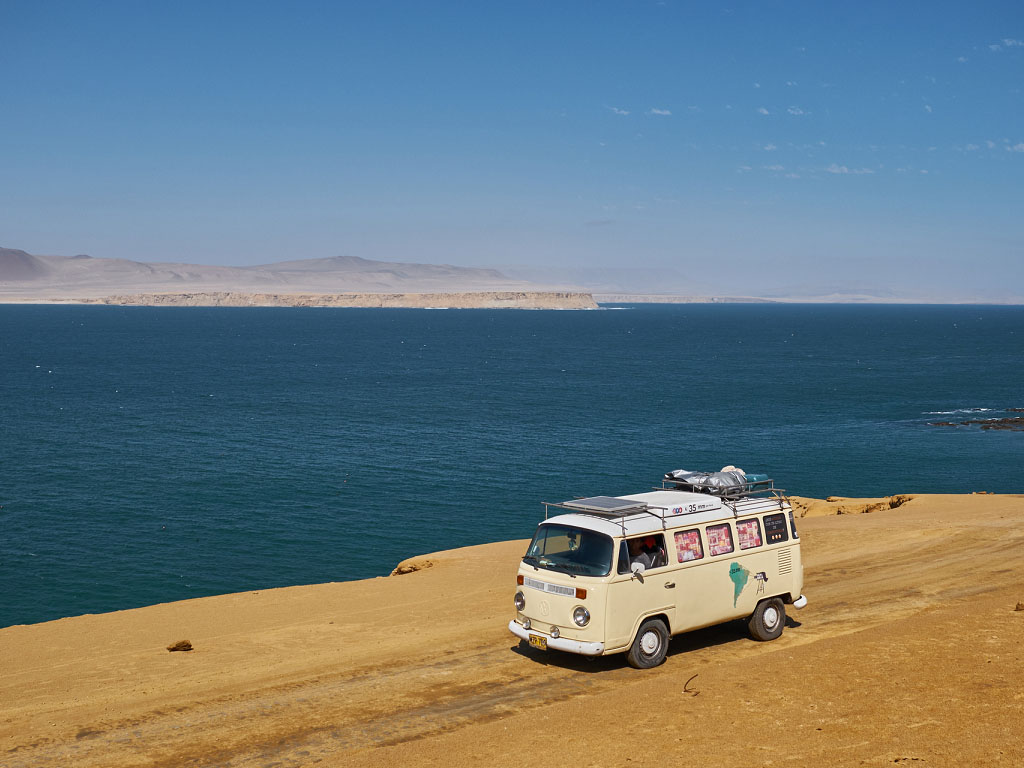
x: 728, y: 481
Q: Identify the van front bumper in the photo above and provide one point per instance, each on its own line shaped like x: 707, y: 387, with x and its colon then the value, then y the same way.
x: 800, y: 602
x: 558, y: 643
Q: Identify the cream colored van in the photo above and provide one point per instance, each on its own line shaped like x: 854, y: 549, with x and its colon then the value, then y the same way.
x: 620, y: 574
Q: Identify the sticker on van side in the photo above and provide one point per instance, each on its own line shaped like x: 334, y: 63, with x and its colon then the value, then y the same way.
x: 699, y: 506
x: 739, y: 576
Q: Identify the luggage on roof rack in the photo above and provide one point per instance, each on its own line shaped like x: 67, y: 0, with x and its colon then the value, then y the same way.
x: 727, y: 483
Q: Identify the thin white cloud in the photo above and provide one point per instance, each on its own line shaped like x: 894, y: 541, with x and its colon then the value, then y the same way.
x: 928, y: 108
x: 694, y: 108
x: 995, y: 47
x: 618, y: 111
x: 990, y: 144
x: 1012, y: 43
x: 774, y: 167
x: 796, y: 111
x: 656, y: 111
x: 842, y: 169
x: 762, y: 111
x: 791, y: 83
x: 1016, y: 147
x: 769, y: 147
x: 744, y: 169
x: 972, y: 147
x: 792, y: 175
x: 962, y: 59
x: 757, y: 85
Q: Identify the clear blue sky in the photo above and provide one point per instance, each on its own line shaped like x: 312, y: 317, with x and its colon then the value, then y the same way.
x: 788, y: 142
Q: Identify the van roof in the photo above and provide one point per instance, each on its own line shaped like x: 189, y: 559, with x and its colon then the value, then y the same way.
x: 640, y: 513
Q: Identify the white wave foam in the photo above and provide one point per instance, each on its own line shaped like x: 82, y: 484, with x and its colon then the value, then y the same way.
x: 957, y: 410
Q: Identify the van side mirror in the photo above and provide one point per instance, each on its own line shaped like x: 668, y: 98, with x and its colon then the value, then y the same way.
x: 638, y: 571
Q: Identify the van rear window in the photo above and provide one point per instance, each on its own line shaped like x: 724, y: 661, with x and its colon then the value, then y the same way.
x: 688, y: 546
x: 775, y: 528
x: 720, y: 539
x: 749, y: 533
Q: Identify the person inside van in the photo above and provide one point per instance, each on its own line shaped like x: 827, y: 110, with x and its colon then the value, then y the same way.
x: 656, y: 551
x: 638, y: 553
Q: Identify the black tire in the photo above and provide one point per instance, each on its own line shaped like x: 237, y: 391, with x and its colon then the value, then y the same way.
x: 650, y: 645
x: 767, y: 620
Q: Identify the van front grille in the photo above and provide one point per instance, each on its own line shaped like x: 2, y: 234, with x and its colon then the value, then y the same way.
x: 785, y: 561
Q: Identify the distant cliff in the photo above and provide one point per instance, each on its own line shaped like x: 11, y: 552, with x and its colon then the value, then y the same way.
x: 24, y: 276
x: 459, y: 300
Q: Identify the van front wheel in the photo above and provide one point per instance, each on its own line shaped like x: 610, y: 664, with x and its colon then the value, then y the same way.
x: 768, y: 619
x: 650, y: 646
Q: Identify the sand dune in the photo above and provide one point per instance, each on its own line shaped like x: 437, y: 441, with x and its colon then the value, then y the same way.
x: 910, y: 652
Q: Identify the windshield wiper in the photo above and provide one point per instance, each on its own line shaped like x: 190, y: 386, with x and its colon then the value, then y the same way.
x: 560, y: 568
x: 531, y: 560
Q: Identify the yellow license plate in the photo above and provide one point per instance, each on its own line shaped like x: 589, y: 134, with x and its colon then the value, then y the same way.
x: 539, y: 641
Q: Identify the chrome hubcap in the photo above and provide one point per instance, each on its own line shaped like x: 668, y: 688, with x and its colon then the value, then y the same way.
x: 649, y: 642
x: 771, y: 616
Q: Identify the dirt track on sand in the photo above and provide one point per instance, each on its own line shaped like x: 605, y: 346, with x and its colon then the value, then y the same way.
x: 910, y: 652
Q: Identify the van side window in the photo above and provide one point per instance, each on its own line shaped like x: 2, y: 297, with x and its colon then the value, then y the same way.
x: 775, y: 528
x: 688, y: 546
x: 649, y: 550
x: 720, y: 539
x: 623, y: 566
x: 749, y: 533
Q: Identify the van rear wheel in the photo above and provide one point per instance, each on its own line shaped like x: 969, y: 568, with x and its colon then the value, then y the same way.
x: 768, y: 619
x: 650, y: 646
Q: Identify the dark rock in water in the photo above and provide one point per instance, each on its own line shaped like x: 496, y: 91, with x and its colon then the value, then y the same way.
x: 181, y: 645
x: 1009, y: 422
x: 1015, y: 410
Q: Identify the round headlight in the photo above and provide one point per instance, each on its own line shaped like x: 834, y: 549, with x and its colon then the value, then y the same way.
x: 520, y: 601
x: 581, y: 616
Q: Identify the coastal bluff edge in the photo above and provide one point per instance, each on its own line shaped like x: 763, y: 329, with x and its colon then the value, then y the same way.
x: 455, y: 300
x: 915, y: 613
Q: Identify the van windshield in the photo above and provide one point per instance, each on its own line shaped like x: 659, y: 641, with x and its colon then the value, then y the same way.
x: 570, y: 550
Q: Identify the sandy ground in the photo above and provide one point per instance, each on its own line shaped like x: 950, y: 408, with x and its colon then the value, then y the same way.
x: 910, y: 652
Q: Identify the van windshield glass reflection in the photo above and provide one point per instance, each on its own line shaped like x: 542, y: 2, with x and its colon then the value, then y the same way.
x: 570, y: 550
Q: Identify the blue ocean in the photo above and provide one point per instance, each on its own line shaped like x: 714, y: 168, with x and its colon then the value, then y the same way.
x: 156, y: 454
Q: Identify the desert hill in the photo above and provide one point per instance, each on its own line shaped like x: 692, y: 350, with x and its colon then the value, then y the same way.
x: 18, y: 266
x: 26, y: 276
x: 908, y: 653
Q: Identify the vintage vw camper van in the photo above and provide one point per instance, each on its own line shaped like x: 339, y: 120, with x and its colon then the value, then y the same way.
x: 614, y: 574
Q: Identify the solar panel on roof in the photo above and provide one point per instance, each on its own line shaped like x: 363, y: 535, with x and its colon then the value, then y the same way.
x: 609, y: 505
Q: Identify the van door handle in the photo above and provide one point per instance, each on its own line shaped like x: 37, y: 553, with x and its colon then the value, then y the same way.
x: 670, y: 585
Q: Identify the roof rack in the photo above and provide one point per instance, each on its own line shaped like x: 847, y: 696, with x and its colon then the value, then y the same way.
x: 725, y: 492
x: 615, y: 509
x: 611, y: 508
